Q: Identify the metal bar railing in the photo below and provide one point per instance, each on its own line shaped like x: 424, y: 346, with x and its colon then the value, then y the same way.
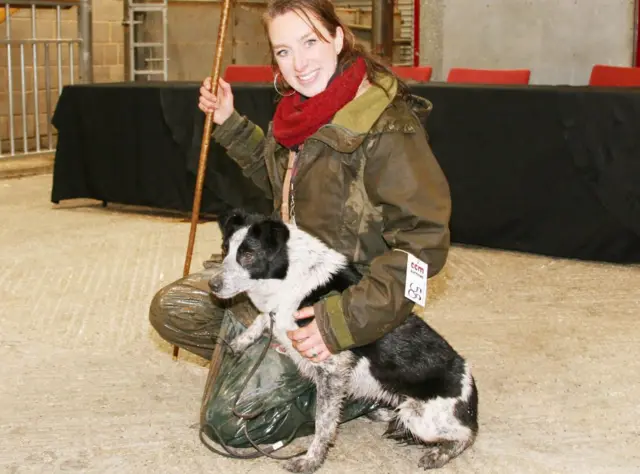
x: 39, y: 3
x: 19, y: 108
x: 41, y: 41
x: 47, y: 91
x: 59, y: 46
x: 34, y: 52
x: 12, y: 146
x: 165, y: 41
x: 23, y: 100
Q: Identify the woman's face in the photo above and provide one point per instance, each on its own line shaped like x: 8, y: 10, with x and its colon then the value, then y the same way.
x: 305, y: 61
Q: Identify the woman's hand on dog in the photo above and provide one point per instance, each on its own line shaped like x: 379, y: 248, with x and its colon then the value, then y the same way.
x: 307, y: 340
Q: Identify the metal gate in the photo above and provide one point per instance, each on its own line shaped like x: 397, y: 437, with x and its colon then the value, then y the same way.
x: 36, y: 60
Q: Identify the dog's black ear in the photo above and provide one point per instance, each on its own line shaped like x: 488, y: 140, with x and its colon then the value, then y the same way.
x: 229, y: 223
x: 273, y: 235
x: 277, y: 236
x: 232, y: 221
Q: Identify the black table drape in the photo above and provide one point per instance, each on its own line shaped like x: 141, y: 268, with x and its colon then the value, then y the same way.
x: 548, y: 170
x: 140, y: 145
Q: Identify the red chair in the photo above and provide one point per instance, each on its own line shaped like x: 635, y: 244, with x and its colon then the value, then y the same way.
x: 237, y: 73
x: 420, y: 74
x: 461, y: 75
x: 614, y: 76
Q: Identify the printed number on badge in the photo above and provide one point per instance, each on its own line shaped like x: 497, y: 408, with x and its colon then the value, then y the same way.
x: 415, y: 287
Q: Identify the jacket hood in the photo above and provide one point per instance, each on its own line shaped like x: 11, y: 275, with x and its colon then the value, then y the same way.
x: 377, y: 110
x: 359, y: 115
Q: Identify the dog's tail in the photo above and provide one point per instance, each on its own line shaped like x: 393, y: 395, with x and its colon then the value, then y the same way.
x: 398, y: 432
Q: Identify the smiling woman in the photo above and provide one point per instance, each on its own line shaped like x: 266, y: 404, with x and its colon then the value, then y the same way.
x: 347, y: 160
x: 306, y: 54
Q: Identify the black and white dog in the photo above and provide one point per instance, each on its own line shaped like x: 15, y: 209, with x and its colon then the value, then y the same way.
x: 427, y: 386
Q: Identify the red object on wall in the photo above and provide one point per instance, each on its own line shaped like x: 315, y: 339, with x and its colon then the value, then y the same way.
x: 237, y: 73
x: 488, y: 76
x: 614, y: 76
x: 420, y: 73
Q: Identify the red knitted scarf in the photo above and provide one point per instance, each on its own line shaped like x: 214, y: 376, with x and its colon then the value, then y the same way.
x: 296, y: 119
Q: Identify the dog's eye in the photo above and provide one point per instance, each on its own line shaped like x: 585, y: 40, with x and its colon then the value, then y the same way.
x: 247, y: 256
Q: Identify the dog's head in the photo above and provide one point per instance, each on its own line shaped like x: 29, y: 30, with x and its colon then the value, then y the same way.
x: 255, y: 249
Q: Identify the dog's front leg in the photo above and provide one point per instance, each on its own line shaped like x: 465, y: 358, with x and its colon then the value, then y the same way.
x: 331, y: 391
x: 251, y: 335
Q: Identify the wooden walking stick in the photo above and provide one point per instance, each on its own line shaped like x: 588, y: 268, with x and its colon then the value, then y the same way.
x: 204, y: 148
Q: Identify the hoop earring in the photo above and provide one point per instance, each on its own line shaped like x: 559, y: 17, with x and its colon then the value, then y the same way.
x: 275, y: 86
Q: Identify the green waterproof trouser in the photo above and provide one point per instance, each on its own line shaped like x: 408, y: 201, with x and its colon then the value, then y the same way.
x: 186, y: 314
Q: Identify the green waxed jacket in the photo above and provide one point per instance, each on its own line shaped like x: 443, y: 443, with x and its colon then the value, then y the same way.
x: 366, y: 183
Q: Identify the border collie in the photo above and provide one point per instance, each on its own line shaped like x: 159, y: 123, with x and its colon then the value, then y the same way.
x: 427, y: 387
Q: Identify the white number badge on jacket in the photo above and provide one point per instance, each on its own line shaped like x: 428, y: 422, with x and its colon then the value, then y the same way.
x: 415, y: 287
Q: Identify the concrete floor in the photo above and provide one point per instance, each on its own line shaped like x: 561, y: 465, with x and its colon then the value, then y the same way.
x: 87, y: 386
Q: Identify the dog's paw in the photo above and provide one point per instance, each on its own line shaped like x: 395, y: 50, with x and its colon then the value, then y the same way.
x: 238, y: 345
x: 435, y: 457
x: 303, y: 464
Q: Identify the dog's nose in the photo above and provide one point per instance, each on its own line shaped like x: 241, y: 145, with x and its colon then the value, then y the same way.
x: 215, y: 284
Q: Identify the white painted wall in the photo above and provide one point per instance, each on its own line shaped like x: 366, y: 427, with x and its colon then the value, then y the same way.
x: 559, y: 40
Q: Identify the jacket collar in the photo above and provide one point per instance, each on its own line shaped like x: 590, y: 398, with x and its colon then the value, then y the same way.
x: 351, y: 124
x: 359, y: 115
